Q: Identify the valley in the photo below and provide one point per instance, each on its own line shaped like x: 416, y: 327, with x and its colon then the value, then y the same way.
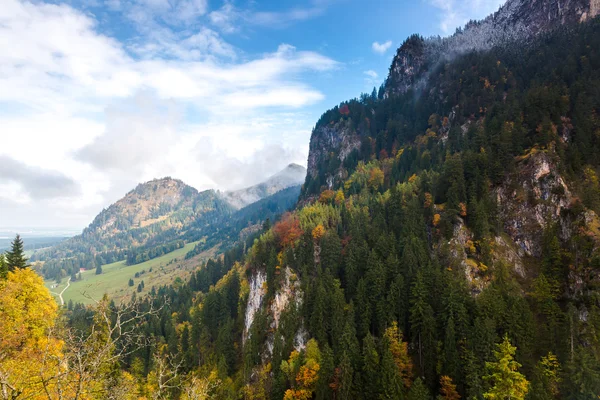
x: 442, y: 243
x: 114, y: 280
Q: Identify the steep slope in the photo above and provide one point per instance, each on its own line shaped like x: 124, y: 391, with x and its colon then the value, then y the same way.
x: 147, y: 204
x: 147, y: 222
x: 457, y: 208
x: 454, y: 249
x: 291, y: 175
x: 517, y: 21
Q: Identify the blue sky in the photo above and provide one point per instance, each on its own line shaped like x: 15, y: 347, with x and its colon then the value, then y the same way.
x: 99, y: 95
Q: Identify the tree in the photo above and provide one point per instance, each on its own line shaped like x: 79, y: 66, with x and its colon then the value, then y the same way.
x: 131, y: 283
x: 399, y: 350
x: 15, y: 257
x: 304, y: 377
x: 370, y: 369
x: 27, y: 354
x: 507, y: 382
x: 448, y: 389
x: 546, y: 379
x: 3, y: 267
x: 99, y: 270
x: 418, y: 391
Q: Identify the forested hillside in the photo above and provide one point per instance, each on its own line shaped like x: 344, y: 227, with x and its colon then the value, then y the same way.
x: 446, y: 244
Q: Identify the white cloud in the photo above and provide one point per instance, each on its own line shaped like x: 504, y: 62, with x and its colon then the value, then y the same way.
x: 381, y: 47
x: 77, y: 103
x: 371, y: 79
x: 456, y: 13
x: 230, y: 18
x: 226, y: 18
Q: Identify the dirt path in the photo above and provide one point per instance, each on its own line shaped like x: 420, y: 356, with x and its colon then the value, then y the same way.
x: 62, y: 302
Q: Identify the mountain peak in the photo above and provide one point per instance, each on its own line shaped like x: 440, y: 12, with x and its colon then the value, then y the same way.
x: 516, y: 20
x: 292, y: 175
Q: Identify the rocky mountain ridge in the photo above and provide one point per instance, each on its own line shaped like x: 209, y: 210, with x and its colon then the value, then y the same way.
x: 517, y: 21
x: 291, y: 175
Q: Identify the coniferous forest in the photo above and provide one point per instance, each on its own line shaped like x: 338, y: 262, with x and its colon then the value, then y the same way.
x: 453, y: 253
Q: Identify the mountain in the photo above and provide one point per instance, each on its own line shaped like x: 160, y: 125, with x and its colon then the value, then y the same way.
x: 148, y: 221
x: 147, y: 204
x: 443, y: 221
x: 291, y: 175
x: 517, y: 21
x: 160, y: 216
x: 447, y: 241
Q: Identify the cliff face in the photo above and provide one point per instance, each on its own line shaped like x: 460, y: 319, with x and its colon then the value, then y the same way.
x: 518, y: 21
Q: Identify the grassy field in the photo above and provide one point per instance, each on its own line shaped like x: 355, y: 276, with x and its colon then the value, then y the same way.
x: 114, y: 279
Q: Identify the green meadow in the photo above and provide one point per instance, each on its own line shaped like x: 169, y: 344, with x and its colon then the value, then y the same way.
x: 114, y: 280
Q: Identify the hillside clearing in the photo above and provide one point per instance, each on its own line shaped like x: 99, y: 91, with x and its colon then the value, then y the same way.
x: 114, y: 280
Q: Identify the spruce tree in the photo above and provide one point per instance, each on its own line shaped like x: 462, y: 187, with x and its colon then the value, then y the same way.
x: 370, y: 367
x: 507, y: 382
x: 15, y: 258
x: 3, y: 267
x: 418, y: 391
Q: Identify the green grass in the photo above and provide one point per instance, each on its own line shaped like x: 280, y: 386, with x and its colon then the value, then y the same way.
x: 114, y: 280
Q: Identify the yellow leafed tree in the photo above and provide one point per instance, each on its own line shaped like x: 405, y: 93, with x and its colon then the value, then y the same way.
x: 28, y: 354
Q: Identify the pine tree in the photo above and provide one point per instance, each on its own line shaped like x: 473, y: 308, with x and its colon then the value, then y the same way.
x: 3, y: 267
x: 418, y: 391
x: 370, y: 368
x: 131, y: 283
x: 99, y: 270
x: 390, y: 382
x: 15, y: 257
x: 507, y: 382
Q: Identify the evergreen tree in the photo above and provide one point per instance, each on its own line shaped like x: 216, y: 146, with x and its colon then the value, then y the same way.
x: 15, y: 257
x: 418, y: 391
x: 507, y: 382
x: 99, y: 270
x: 370, y: 367
x: 390, y: 382
x: 3, y: 267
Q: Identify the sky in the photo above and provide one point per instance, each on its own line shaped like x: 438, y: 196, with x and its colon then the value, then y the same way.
x: 97, y: 96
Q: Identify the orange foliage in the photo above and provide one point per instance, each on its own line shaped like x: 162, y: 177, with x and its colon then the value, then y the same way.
x: 308, y: 375
x: 436, y: 219
x: 448, y: 389
x: 318, y: 232
x: 344, y: 110
x: 463, y: 209
x: 326, y: 196
x: 399, y: 351
x: 376, y: 178
x: 288, y: 230
x: 428, y: 200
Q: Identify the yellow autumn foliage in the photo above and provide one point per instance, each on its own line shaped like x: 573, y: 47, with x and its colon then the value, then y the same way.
x: 28, y: 354
x: 318, y: 232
